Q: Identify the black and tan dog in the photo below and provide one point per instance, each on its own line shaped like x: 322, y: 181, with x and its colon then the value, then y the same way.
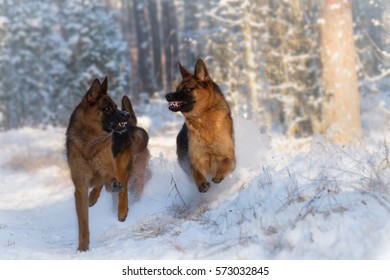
x: 205, y: 145
x: 131, y: 155
x: 90, y: 144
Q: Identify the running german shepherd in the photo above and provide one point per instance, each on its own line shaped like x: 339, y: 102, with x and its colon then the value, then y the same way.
x: 90, y: 146
x: 204, y: 145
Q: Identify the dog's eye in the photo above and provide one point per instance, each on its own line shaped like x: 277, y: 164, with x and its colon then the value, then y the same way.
x: 186, y: 90
x: 107, y: 109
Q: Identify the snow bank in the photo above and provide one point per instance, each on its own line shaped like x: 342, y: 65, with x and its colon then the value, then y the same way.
x: 286, y: 199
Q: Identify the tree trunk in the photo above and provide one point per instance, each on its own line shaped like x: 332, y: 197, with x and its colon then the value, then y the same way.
x: 147, y: 80
x: 250, y: 59
x: 155, y: 26
x: 191, y: 23
x: 341, y: 107
x: 170, y: 42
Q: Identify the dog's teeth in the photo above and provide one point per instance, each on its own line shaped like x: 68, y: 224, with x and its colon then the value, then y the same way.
x: 174, y: 104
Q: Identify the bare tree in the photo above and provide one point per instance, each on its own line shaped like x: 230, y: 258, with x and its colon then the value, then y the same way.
x: 170, y: 41
x: 155, y: 32
x: 341, y: 106
x: 145, y: 70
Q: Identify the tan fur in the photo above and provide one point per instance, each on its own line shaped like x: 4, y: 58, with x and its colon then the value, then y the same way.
x: 91, y: 160
x: 210, y: 129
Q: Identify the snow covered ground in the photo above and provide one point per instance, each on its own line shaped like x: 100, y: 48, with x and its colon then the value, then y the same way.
x: 287, y: 199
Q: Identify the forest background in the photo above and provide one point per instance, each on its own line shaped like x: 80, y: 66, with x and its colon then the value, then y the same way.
x: 292, y: 71
x: 265, y: 55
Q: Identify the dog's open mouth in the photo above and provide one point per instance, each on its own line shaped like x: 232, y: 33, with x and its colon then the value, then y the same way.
x: 175, y: 105
x: 120, y: 126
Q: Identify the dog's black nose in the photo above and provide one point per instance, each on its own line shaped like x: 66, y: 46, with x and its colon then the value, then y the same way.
x: 125, y: 116
x: 169, y: 96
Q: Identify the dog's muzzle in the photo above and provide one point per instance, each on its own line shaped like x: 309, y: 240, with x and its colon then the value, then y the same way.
x: 122, y: 117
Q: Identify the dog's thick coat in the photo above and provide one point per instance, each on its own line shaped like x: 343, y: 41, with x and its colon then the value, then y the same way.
x: 205, y: 144
x: 131, y: 157
x: 90, y: 145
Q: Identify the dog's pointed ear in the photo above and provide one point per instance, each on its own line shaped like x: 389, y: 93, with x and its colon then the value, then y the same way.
x: 201, y: 73
x: 93, y: 92
x: 126, y: 106
x: 184, y: 72
x: 104, y: 86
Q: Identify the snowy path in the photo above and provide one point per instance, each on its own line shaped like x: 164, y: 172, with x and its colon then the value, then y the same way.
x: 318, y: 201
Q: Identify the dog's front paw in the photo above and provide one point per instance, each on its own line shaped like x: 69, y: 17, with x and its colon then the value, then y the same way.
x: 122, y: 217
x: 204, y: 187
x: 217, y: 180
x: 116, y: 187
x: 83, y: 247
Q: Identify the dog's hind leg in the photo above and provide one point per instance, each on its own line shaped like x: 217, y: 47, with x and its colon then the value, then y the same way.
x: 224, y: 168
x: 94, y: 195
x: 141, y: 173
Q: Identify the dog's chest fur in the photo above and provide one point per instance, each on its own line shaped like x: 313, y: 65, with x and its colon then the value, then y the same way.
x: 208, y: 135
x: 94, y: 147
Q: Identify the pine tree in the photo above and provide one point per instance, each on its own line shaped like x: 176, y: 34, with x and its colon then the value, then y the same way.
x: 30, y: 62
x: 50, y: 53
x: 94, y: 48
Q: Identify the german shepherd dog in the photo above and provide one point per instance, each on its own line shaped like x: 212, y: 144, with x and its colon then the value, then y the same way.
x: 131, y: 155
x: 204, y: 145
x: 90, y: 144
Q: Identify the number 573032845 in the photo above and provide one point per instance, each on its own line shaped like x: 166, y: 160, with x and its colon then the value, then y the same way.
x: 230, y: 270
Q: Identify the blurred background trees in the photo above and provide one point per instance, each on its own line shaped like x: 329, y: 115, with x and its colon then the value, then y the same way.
x: 50, y: 51
x: 265, y: 55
